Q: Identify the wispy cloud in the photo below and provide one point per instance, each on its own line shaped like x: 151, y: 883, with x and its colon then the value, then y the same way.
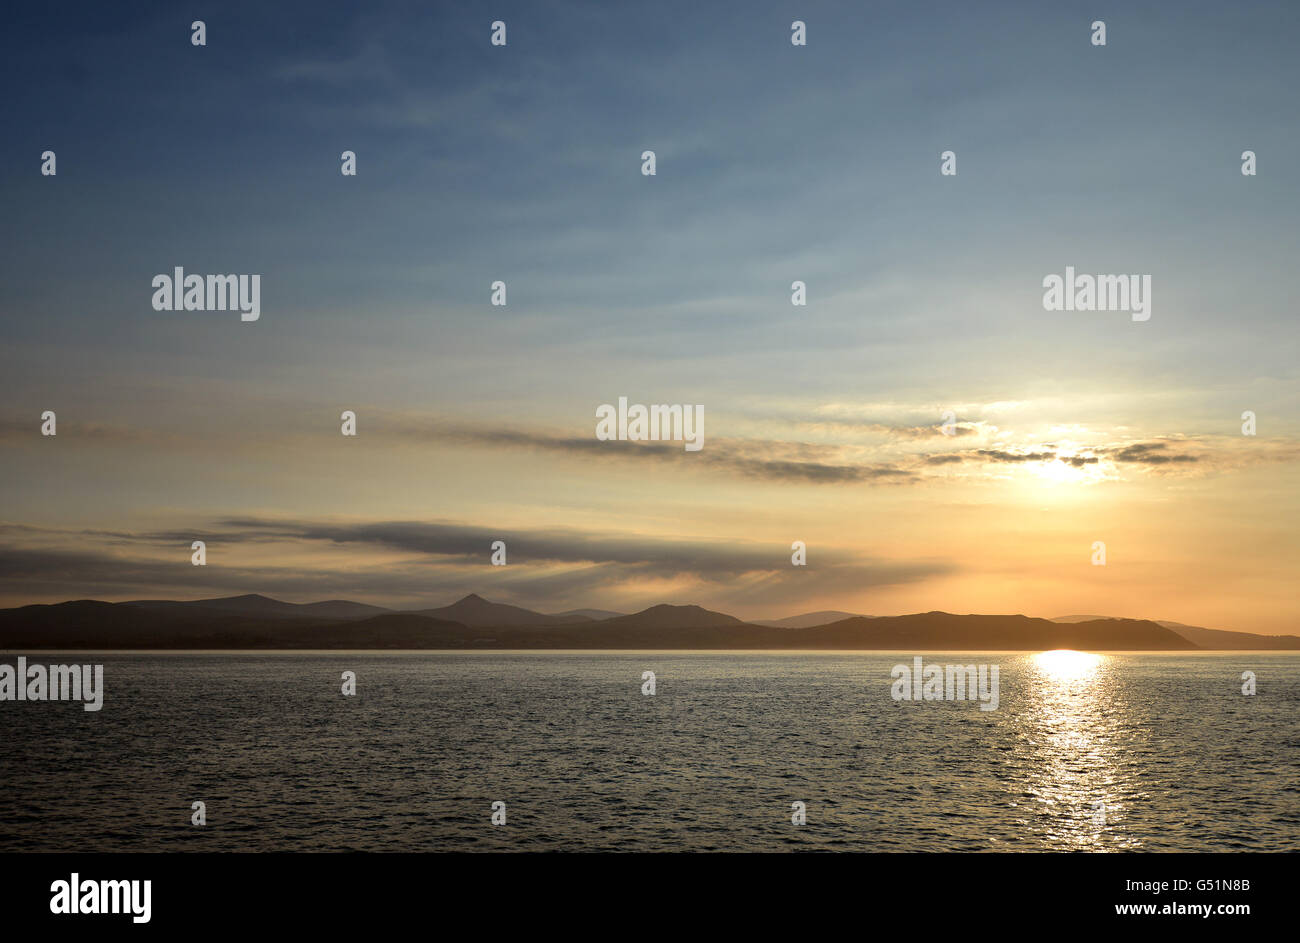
x: 1149, y: 453
x: 761, y: 459
x: 422, y: 563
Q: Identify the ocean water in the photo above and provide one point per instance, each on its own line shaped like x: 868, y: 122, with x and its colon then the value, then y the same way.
x: 1120, y: 752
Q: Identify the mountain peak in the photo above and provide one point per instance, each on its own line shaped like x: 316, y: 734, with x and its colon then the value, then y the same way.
x: 676, y: 617
x: 475, y: 610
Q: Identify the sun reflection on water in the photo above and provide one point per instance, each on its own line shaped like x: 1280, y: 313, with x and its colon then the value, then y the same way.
x: 1078, y: 784
x: 1064, y: 664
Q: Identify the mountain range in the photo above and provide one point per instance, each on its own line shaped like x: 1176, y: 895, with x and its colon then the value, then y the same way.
x: 259, y: 622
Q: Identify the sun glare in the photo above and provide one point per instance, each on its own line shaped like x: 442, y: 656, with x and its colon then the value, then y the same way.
x: 1065, y: 664
x: 1062, y: 471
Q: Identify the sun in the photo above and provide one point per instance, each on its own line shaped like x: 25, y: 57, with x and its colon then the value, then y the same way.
x: 1058, y: 471
x: 1063, y: 471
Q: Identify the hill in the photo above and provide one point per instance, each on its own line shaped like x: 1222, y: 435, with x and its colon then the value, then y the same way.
x: 475, y: 610
x: 595, y: 615
x: 810, y: 619
x: 257, y: 606
x: 944, y: 630
x: 253, y: 624
x: 1216, y: 639
x: 672, y: 617
x: 1233, y: 641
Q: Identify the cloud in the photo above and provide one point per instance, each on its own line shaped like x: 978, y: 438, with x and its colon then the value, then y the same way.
x: 1078, y: 461
x: 1148, y: 453
x: 422, y: 564
x: 958, y: 429
x: 1141, y: 453
x: 18, y: 432
x: 761, y: 459
x: 998, y: 455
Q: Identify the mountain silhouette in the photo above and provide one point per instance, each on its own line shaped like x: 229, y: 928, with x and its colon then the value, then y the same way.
x: 1216, y: 639
x: 595, y: 615
x: 944, y: 630
x: 673, y: 617
x: 810, y: 619
x: 1232, y: 641
x: 475, y: 610
x: 254, y: 604
x: 260, y: 622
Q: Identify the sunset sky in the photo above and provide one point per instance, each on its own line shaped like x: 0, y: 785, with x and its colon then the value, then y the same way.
x: 775, y: 163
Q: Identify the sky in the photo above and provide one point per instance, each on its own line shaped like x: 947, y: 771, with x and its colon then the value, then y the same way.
x: 774, y: 163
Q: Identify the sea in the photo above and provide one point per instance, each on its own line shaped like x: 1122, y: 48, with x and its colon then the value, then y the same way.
x: 732, y: 752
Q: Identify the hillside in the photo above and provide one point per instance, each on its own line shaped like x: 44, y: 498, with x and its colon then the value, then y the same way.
x: 475, y: 610
x: 809, y: 620
x: 254, y: 624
